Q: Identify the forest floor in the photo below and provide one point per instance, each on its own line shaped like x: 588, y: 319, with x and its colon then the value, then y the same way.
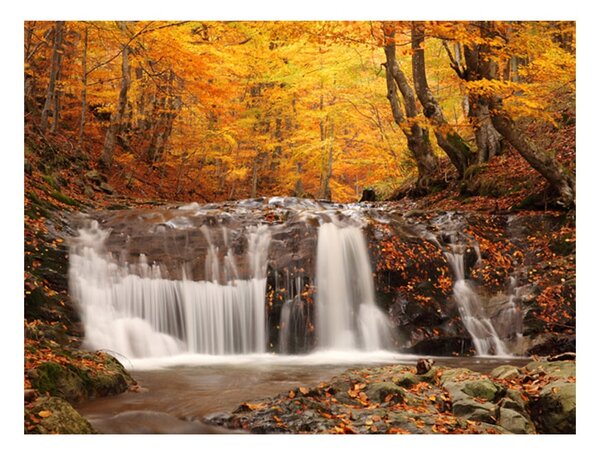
x: 60, y: 181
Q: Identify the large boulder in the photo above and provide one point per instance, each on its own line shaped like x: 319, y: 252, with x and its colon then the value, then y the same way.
x: 554, y: 410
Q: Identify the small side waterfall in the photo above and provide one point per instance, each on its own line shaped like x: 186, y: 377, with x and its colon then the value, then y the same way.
x: 131, y: 309
x: 347, y: 316
x: 476, y: 321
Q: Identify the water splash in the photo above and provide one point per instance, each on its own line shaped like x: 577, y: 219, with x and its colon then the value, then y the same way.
x: 132, y: 310
x: 347, y: 316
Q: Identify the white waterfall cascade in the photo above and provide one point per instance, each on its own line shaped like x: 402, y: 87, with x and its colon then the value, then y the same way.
x: 133, y: 311
x: 347, y: 317
x: 477, y: 322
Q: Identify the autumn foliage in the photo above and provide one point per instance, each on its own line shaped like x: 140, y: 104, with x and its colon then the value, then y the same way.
x: 220, y: 110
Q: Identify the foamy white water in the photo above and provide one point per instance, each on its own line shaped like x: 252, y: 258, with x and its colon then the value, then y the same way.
x: 132, y: 311
x: 347, y: 316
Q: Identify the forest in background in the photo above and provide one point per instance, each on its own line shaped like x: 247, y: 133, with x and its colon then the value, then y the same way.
x: 209, y: 111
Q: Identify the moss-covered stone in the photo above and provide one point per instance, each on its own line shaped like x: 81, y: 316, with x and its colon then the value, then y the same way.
x: 562, y: 369
x: 515, y: 422
x: 482, y: 388
x: 76, y: 383
x: 379, y: 391
x: 57, y: 416
x: 406, y: 380
x: 505, y: 372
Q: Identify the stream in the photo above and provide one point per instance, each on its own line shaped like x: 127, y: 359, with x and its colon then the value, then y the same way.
x: 210, y: 306
x: 174, y: 398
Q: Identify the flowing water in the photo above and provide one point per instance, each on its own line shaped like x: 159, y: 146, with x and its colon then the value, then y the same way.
x: 176, y: 399
x: 213, y: 305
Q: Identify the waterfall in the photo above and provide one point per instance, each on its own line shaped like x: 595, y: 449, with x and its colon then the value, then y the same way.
x: 132, y: 310
x: 347, y: 317
x: 475, y: 318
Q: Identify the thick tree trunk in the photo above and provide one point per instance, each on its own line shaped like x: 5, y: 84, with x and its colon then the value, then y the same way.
x: 116, y: 119
x: 54, y: 71
x: 451, y: 142
x: 486, y: 136
x: 417, y: 137
x: 489, y: 141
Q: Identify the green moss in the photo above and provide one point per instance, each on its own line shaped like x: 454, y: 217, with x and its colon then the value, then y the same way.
x: 50, y: 181
x: 64, y: 199
x: 59, y: 417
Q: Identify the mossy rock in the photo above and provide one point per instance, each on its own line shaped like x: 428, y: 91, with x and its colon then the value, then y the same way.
x: 75, y: 383
x: 406, y: 380
x: 379, y: 391
x: 554, y: 412
x: 505, y: 372
x: 515, y: 422
x: 58, y: 380
x: 482, y: 388
x: 561, y: 369
x: 57, y: 416
x: 64, y: 198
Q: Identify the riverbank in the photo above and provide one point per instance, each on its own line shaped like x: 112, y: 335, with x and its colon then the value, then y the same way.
x: 538, y: 398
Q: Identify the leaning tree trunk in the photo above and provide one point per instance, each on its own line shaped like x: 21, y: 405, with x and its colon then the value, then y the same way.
x: 451, y: 142
x: 116, y: 119
x: 54, y: 71
x: 417, y: 137
x: 561, y: 179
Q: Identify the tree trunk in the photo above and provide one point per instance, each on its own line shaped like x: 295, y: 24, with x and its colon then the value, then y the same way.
x: 54, y: 71
x: 486, y: 136
x: 559, y: 177
x: 451, y: 142
x: 116, y: 118
x: 83, y: 89
x: 489, y: 141
x: 417, y: 137
x: 329, y: 165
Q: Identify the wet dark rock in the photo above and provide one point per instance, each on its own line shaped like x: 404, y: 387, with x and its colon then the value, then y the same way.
x: 368, y: 195
x: 551, y: 344
x: 443, y: 346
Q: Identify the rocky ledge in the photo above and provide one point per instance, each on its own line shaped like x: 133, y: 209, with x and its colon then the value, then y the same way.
x: 537, y: 398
